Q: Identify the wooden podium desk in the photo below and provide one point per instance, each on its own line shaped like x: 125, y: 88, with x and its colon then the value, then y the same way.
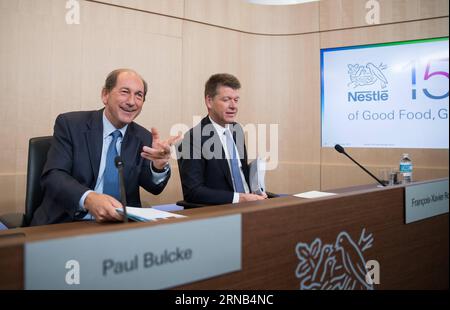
x: 276, y: 233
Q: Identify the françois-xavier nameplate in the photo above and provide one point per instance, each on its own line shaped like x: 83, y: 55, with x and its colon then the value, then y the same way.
x: 154, y: 257
x: 426, y: 200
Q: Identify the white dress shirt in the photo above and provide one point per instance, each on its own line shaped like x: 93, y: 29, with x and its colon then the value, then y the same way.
x: 109, y: 128
x: 223, y: 139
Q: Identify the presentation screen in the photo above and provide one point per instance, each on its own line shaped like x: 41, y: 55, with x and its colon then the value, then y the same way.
x: 390, y: 95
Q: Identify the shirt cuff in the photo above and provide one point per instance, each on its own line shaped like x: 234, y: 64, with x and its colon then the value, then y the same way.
x: 159, y: 177
x: 235, y: 197
x: 82, y: 199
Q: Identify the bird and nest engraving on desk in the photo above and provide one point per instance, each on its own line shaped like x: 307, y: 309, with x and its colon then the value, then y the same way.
x: 337, y: 266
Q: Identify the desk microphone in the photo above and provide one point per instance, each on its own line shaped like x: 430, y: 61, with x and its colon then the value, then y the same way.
x: 341, y: 150
x: 123, y: 198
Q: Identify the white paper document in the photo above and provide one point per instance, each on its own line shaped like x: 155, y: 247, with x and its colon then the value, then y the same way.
x: 314, y: 194
x: 257, y: 176
x: 147, y: 214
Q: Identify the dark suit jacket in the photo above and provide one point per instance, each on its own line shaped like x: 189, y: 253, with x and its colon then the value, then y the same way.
x: 204, y: 170
x: 73, y: 162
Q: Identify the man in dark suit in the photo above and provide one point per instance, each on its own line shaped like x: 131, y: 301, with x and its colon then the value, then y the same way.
x: 212, y: 157
x: 79, y: 179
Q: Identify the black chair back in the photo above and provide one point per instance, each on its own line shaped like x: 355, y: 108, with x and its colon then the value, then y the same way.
x: 37, y: 156
x: 189, y: 205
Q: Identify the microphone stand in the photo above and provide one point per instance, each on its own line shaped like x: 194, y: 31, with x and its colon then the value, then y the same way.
x: 340, y: 149
x: 123, y: 198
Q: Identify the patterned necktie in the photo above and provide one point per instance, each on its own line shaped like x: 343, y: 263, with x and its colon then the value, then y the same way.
x: 234, y: 163
x: 111, y: 175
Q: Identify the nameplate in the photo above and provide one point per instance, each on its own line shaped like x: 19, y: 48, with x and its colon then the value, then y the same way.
x: 155, y: 257
x: 426, y: 200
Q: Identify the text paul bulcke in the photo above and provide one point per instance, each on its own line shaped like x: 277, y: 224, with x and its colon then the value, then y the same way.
x: 146, y: 260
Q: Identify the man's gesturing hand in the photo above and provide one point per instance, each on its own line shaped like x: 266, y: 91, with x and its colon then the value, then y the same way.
x: 159, y: 152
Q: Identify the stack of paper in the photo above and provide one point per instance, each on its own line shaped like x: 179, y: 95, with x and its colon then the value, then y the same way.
x: 313, y: 194
x: 257, y: 176
x: 147, y: 214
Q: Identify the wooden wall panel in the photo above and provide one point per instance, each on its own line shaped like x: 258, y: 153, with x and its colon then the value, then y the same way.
x: 51, y: 68
x: 171, y: 194
x: 12, y: 192
x: 103, y: 16
x: 264, y: 19
x: 279, y: 87
x: 348, y: 174
x: 206, y: 50
x: 293, y: 178
x: 338, y: 14
x: 385, y: 33
x: 169, y: 7
x: 338, y: 171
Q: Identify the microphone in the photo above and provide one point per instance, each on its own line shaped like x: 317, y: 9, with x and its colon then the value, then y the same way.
x: 341, y: 150
x: 123, y: 198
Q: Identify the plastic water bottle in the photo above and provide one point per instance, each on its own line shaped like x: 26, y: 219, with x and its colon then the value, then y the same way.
x: 406, y: 168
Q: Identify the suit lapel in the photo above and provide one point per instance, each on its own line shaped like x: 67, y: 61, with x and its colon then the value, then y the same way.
x: 94, y: 137
x: 240, y: 147
x: 240, y: 144
x: 223, y: 164
x: 129, y: 150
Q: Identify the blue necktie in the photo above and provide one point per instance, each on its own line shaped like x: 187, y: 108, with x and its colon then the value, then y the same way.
x: 111, y: 175
x: 234, y: 163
